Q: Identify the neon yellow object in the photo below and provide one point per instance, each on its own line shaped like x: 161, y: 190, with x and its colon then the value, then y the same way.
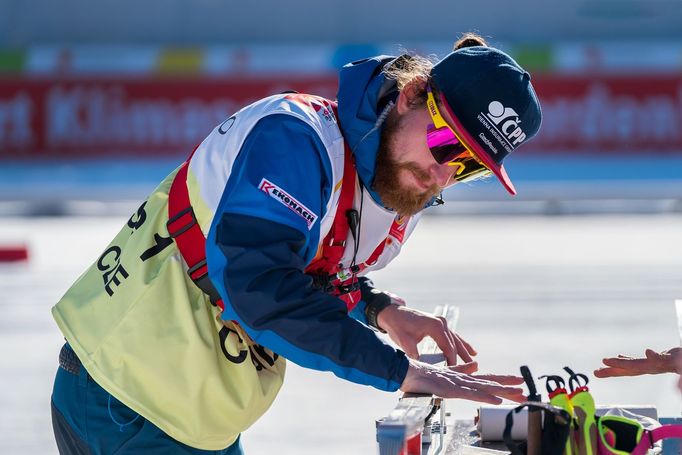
x: 611, y: 428
x: 585, y: 437
x: 151, y: 338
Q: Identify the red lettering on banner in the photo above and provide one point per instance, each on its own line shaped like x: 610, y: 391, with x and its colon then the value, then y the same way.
x: 159, y: 117
x: 126, y: 117
x: 16, y: 114
x: 602, y: 114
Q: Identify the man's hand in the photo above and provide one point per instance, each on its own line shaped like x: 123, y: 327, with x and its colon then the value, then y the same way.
x: 407, y: 327
x: 669, y: 361
x: 458, y: 382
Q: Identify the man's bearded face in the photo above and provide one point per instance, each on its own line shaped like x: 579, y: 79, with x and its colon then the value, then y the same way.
x: 393, y: 180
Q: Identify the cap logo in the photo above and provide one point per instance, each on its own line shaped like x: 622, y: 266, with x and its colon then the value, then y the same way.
x: 506, y: 121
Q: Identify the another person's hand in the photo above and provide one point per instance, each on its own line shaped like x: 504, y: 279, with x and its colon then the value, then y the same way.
x: 459, y: 382
x: 407, y: 327
x: 669, y: 361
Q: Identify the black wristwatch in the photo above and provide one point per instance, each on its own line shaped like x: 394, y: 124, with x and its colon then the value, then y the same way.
x: 376, y: 302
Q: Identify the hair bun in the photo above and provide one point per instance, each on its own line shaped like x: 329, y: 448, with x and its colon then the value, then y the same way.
x: 468, y: 40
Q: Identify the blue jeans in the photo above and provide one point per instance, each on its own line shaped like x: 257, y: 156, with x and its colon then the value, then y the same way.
x: 88, y: 420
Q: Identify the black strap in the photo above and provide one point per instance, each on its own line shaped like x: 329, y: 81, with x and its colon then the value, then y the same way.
x: 533, y: 394
x: 553, y: 382
x: 324, y: 282
x: 376, y: 301
x: 555, y: 429
x: 576, y: 378
x: 206, y: 285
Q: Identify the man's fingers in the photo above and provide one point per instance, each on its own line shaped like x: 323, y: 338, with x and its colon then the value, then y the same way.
x: 501, y: 385
x: 469, y: 348
x: 506, y: 391
x: 611, y: 372
x: 501, y: 379
x: 476, y: 395
x: 467, y: 368
x: 470, y: 392
x: 462, y: 350
x: 490, y: 387
x: 636, y: 366
x: 618, y: 362
x: 449, y: 338
x: 411, y: 351
x: 651, y: 354
x: 454, y: 382
x: 519, y: 398
x: 445, y: 344
x: 453, y: 342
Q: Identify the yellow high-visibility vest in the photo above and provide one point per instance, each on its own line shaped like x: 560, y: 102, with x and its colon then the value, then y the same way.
x: 152, y: 339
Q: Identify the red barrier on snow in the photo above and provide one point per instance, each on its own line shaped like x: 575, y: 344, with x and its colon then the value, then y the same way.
x: 13, y: 253
x: 86, y: 117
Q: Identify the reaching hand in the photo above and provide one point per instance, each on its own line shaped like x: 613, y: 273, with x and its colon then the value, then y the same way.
x: 669, y: 361
x: 407, y: 327
x: 458, y: 382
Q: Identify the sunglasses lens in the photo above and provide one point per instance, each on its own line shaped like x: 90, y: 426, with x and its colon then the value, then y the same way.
x: 447, y: 152
x: 443, y: 144
x: 447, y: 149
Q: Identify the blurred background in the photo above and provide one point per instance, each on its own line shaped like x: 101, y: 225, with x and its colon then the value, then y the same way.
x: 100, y: 100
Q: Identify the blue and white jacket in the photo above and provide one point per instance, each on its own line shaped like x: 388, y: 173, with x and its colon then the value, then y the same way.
x: 270, y: 175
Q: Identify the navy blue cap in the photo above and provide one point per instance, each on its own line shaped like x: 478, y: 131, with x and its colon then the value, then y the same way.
x: 492, y: 103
